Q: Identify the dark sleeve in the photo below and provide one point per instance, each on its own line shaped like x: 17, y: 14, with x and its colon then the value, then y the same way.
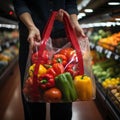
x: 71, y: 6
x: 20, y: 7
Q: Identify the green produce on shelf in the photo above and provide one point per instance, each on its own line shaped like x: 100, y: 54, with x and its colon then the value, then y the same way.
x: 104, y: 33
x: 106, y: 69
x: 97, y: 35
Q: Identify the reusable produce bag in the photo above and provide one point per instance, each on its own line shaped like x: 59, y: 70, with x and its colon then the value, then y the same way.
x: 57, y: 75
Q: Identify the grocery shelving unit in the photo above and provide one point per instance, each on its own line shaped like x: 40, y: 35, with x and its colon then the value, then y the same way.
x: 106, y: 106
x: 107, y: 52
x: 7, y: 70
x: 6, y: 43
x: 105, y: 100
x: 107, y: 103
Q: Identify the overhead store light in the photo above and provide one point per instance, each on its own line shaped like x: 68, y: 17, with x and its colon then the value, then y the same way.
x: 81, y: 15
x: 100, y: 24
x: 82, y: 4
x: 117, y: 19
x: 113, y: 3
x: 9, y: 26
x: 88, y: 10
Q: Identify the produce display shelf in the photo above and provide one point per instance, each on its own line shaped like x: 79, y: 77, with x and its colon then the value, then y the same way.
x: 102, y: 91
x: 7, y: 70
x: 107, y: 52
x: 104, y: 102
x: 111, y: 111
x: 8, y: 44
x: 2, y: 69
x: 114, y: 103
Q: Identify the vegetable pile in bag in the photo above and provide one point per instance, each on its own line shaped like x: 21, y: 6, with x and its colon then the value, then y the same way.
x: 57, y: 75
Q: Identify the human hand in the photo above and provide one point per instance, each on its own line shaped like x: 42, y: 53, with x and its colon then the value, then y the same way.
x: 34, y: 37
x: 78, y: 30
x: 73, y: 19
x: 59, y: 16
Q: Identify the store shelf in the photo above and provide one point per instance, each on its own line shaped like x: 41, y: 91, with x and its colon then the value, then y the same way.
x: 104, y: 102
x: 8, y: 43
x: 114, y: 104
x: 7, y: 70
x: 107, y: 52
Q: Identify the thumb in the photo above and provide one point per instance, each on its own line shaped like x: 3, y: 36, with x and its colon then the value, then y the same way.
x: 31, y: 41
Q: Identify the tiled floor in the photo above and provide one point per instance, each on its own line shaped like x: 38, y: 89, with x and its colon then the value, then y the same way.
x: 11, y: 106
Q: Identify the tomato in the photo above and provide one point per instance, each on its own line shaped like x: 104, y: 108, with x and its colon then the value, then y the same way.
x: 29, y: 82
x: 52, y: 95
x: 29, y: 92
x: 26, y: 91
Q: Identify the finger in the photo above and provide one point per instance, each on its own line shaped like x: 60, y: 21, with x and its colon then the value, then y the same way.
x: 79, y: 31
x: 38, y: 37
x: 59, y: 16
x: 36, y: 43
x: 63, y: 12
x: 82, y: 33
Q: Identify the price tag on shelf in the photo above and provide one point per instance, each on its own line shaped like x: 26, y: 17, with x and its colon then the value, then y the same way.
x: 7, y: 44
x: 109, y: 54
x: 0, y: 48
x: 106, y: 51
x: 15, y: 41
x: 92, y: 45
x: 99, y: 49
x: 117, y: 57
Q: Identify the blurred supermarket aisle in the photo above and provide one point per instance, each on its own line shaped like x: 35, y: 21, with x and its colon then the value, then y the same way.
x: 11, y: 106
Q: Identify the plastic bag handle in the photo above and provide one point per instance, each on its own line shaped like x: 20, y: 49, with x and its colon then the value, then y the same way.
x: 72, y: 37
x: 49, y: 26
x: 45, y: 36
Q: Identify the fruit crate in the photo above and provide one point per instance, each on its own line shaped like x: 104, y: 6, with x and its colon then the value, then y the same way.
x: 99, y: 85
x: 115, y: 103
x: 2, y: 69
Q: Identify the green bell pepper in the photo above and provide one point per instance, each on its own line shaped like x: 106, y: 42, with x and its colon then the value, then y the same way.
x: 65, y: 83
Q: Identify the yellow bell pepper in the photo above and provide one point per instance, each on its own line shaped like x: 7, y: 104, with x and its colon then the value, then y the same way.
x: 42, y: 70
x: 83, y: 85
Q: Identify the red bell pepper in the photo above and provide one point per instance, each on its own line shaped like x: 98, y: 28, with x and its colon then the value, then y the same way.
x: 70, y: 53
x: 56, y: 69
x: 60, y: 58
x: 51, y: 71
x: 46, y: 81
x: 73, y: 69
x: 66, y: 51
x: 73, y: 58
x: 44, y: 57
x: 34, y: 57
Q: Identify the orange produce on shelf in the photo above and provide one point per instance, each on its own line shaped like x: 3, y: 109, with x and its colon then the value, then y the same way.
x: 110, y: 42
